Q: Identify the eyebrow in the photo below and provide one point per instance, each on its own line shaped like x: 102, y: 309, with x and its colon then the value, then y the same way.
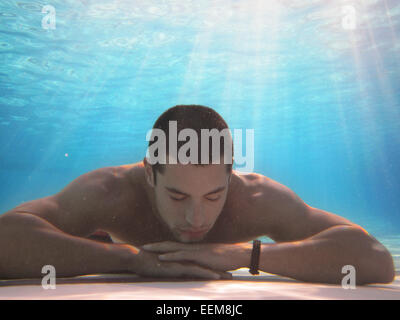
x: 183, y: 193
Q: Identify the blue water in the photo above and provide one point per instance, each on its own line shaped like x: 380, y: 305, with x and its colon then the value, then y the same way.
x: 323, y: 98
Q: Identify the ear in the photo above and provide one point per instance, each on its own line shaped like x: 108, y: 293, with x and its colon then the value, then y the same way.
x: 148, y: 172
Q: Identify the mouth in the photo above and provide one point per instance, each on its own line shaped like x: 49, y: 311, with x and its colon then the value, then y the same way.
x: 193, y: 233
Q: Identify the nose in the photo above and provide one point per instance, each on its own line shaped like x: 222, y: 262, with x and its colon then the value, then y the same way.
x: 195, y: 217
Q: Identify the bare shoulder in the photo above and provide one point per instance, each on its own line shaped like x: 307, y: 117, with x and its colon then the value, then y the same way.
x: 102, y: 189
x: 79, y: 208
x: 84, y: 205
x: 86, y: 187
x: 274, y: 210
x: 90, y: 187
x: 264, y: 205
x: 259, y: 189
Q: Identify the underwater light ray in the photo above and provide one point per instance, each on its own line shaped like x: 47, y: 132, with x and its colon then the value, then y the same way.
x: 93, y: 91
x: 253, y: 45
x: 384, y: 85
x: 232, y: 92
x: 391, y: 24
x: 371, y: 130
x: 263, y: 63
x: 347, y: 140
x: 192, y: 80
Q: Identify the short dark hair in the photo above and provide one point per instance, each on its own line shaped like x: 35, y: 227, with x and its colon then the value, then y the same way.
x: 195, y: 117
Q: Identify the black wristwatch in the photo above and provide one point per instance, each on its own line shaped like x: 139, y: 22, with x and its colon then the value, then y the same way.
x: 255, y: 257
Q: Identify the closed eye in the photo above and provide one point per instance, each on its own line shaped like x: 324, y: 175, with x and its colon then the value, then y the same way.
x: 214, y: 196
x: 213, y: 199
x: 177, y: 199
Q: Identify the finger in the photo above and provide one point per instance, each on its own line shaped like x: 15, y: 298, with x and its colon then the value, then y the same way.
x: 200, y: 272
x: 216, y: 275
x: 225, y: 275
x: 165, y: 246
x: 180, y: 270
x: 177, y: 256
x: 188, y: 256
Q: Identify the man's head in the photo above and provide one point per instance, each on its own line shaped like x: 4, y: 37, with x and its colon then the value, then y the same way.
x: 190, y: 197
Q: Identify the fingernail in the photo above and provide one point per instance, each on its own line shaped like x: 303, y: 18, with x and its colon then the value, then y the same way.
x: 147, y: 246
x: 162, y: 257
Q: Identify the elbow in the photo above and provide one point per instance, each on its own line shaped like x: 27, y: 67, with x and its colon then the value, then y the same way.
x: 379, y: 268
x: 374, y: 261
x: 387, y: 268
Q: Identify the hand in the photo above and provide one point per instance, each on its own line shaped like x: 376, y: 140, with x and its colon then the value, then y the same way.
x: 147, y: 264
x: 221, y: 257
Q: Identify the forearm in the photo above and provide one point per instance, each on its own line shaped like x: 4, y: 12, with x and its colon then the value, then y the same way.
x: 322, y: 257
x: 27, y: 243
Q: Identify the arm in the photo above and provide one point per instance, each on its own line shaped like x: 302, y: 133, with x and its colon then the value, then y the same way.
x: 51, y: 231
x: 311, y: 244
x: 321, y: 258
x: 28, y: 242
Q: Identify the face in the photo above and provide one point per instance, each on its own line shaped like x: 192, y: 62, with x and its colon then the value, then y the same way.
x: 189, y: 198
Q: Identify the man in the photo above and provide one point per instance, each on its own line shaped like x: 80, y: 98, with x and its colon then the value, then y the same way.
x: 185, y: 220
